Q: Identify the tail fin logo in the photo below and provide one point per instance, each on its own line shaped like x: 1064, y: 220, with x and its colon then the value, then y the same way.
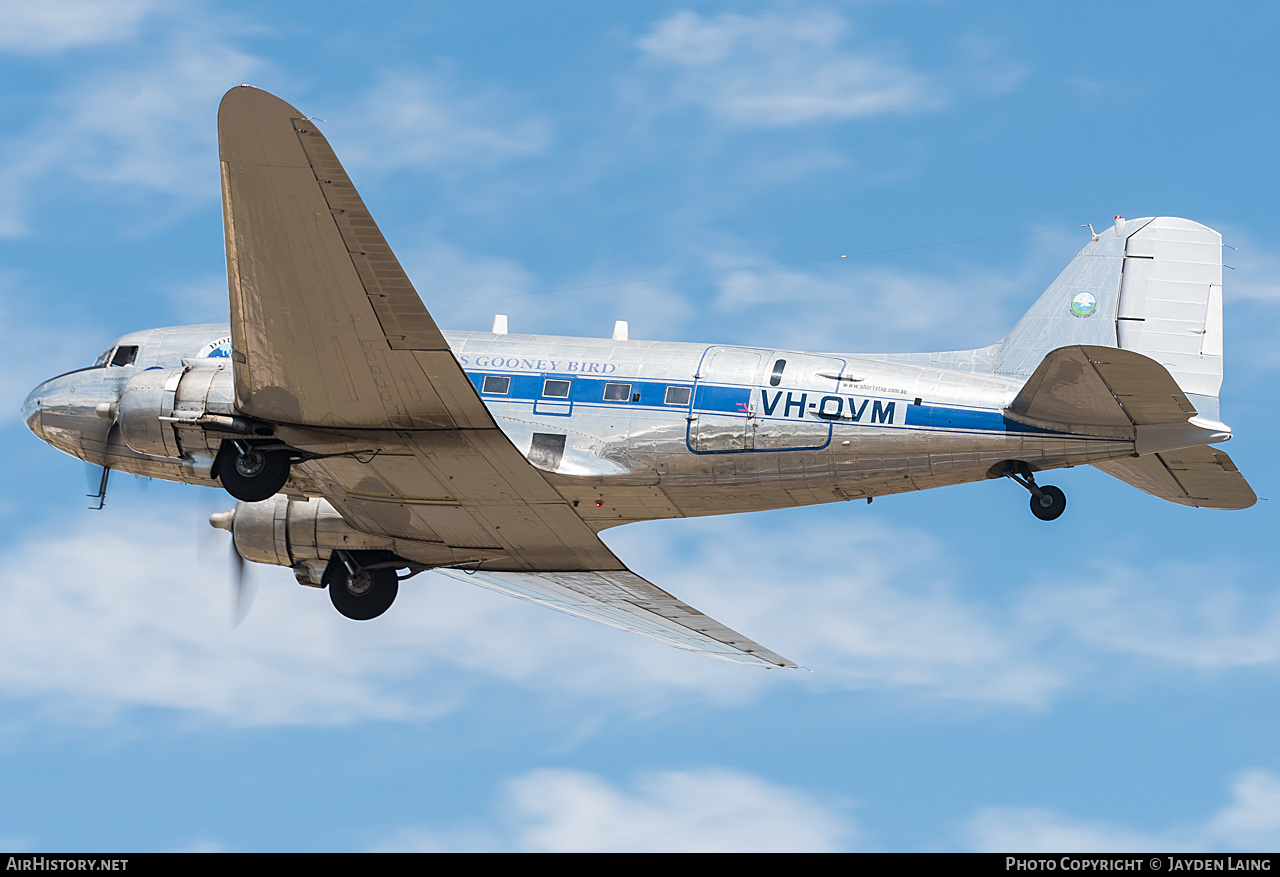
x: 1084, y: 304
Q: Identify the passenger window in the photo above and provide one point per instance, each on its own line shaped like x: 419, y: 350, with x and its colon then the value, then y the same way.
x: 617, y: 392
x: 554, y: 389
x: 776, y: 377
x: 499, y: 385
x: 124, y: 356
x: 678, y: 396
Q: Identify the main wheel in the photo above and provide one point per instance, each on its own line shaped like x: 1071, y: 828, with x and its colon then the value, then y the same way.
x: 1051, y: 506
x: 366, y: 595
x: 254, y: 476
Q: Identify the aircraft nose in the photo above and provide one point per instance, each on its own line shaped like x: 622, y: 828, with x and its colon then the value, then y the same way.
x: 31, y: 412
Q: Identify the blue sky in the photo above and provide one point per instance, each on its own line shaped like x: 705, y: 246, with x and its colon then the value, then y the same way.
x: 977, y: 679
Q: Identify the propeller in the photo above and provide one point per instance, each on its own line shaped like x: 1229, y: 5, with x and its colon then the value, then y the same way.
x: 245, y: 589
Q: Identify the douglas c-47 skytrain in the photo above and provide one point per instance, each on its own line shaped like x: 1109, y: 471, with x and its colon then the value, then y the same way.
x: 365, y: 445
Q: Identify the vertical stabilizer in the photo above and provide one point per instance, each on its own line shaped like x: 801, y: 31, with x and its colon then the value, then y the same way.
x: 1079, y: 307
x: 1153, y: 286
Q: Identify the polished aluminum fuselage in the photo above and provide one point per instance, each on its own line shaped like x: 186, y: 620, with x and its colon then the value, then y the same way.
x: 629, y: 430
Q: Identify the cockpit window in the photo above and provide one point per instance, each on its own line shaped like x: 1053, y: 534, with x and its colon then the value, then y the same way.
x: 125, y: 356
x: 101, y: 361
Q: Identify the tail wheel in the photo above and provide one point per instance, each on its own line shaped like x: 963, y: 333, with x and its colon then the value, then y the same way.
x: 251, y: 474
x: 1050, y: 505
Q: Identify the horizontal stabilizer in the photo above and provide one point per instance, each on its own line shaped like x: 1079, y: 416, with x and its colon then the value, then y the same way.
x: 1199, y: 476
x: 623, y: 600
x: 1102, y: 391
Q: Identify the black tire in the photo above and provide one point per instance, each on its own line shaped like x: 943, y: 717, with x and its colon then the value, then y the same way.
x: 252, y: 477
x: 1056, y: 503
x: 362, y: 600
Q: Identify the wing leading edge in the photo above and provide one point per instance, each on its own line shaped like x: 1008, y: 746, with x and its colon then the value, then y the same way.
x: 328, y: 331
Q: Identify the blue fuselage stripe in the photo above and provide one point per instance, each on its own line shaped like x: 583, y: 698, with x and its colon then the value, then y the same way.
x: 720, y: 399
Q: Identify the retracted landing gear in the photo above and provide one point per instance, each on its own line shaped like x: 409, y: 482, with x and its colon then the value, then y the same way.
x: 249, y: 472
x: 361, y: 592
x: 1047, y: 502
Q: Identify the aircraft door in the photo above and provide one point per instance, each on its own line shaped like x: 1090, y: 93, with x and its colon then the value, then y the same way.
x: 795, y: 401
x: 720, y: 420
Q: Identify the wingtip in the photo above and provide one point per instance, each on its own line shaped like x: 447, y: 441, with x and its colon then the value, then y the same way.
x: 256, y: 127
x: 251, y: 101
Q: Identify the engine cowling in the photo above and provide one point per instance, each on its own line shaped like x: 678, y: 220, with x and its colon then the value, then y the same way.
x: 164, y: 413
x: 148, y: 396
x: 298, y: 533
x: 155, y: 403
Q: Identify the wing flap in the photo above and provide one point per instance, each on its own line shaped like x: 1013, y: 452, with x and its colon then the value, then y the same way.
x: 624, y: 600
x: 1200, y: 476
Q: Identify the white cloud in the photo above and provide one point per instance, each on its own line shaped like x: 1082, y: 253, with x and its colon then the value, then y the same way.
x: 1031, y: 830
x: 129, y: 617
x: 1253, y: 275
x: 773, y: 70
x: 155, y: 125
x: 881, y: 611
x: 54, y: 25
x: 1250, y: 821
x: 851, y: 307
x: 41, y: 341
x: 120, y: 613
x: 148, y: 126
x: 464, y: 290
x: 415, y: 121
x: 693, y: 811
x: 1178, y: 614
x: 838, y: 305
x: 832, y: 304
x: 709, y: 810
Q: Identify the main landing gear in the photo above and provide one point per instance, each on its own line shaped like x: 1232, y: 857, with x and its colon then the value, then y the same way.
x: 250, y: 472
x: 361, y: 592
x: 1047, y: 502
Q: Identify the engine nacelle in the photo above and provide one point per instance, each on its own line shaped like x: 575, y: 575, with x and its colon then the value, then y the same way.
x: 156, y: 403
x: 298, y: 533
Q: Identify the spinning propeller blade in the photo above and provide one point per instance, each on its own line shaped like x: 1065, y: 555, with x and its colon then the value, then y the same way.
x: 245, y: 590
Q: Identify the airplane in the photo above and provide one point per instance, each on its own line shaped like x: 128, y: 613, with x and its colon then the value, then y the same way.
x: 364, y: 445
